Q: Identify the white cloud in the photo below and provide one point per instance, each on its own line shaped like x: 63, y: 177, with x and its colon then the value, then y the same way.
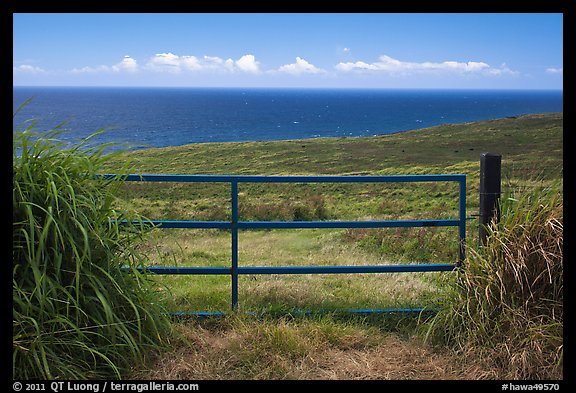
x: 503, y: 70
x: 190, y: 63
x: 165, y: 62
x: 300, y: 67
x: 127, y: 64
x: 28, y: 69
x: 344, y: 51
x: 88, y: 70
x: 390, y: 65
x: 214, y: 61
x: 553, y: 70
x: 169, y: 62
x: 248, y: 63
x: 359, y: 65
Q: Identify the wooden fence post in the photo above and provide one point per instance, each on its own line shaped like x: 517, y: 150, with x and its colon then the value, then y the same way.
x: 490, y: 176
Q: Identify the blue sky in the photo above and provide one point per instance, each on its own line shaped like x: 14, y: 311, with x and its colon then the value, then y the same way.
x: 516, y: 51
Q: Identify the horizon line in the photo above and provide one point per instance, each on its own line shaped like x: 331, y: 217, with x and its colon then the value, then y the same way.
x: 294, y: 87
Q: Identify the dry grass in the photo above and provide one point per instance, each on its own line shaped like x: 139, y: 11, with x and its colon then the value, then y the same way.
x: 507, y: 303
x: 240, y: 349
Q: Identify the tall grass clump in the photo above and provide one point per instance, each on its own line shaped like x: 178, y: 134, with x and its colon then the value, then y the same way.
x: 506, y: 303
x: 76, y: 315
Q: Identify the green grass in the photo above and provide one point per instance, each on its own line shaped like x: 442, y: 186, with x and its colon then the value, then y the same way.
x: 275, y: 343
x: 531, y: 147
x: 281, y: 292
x: 442, y: 149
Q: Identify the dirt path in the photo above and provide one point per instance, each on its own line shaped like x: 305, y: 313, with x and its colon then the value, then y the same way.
x: 232, y: 354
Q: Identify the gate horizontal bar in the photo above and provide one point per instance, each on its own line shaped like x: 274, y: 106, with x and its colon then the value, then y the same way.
x: 345, y: 269
x: 299, y: 224
x: 285, y: 179
x: 347, y: 224
x: 193, y: 270
x: 401, y: 310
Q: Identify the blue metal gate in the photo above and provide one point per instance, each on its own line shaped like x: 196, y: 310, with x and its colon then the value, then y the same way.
x: 234, y: 225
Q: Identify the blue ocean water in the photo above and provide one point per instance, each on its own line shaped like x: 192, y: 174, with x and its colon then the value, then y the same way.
x: 159, y: 117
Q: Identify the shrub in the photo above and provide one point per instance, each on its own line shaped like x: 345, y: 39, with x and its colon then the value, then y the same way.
x: 75, y: 313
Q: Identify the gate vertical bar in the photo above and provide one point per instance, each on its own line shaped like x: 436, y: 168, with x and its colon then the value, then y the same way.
x: 462, y: 224
x: 234, y: 229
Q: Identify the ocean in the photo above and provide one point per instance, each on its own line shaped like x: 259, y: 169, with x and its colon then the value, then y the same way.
x: 159, y: 117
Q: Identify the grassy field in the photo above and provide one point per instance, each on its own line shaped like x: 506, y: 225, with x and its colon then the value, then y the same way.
x: 281, y: 345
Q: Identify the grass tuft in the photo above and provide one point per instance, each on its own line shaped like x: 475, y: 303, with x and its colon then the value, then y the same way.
x: 507, y: 302
x: 76, y: 315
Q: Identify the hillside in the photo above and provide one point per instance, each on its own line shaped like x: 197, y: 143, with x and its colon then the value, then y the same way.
x: 523, y: 142
x: 279, y: 347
